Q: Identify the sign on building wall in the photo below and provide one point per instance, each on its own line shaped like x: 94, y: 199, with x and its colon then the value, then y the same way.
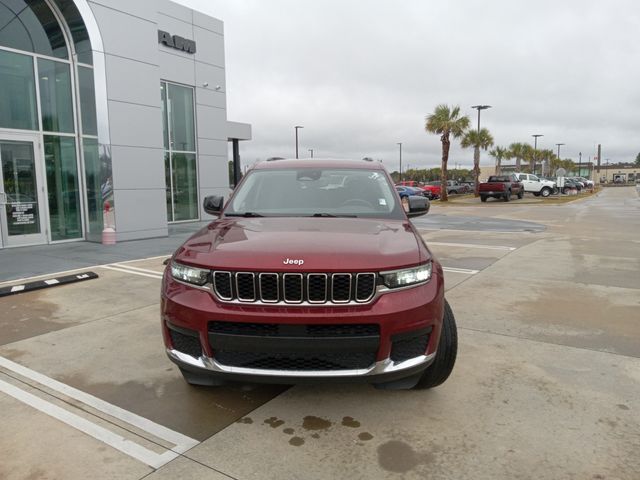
x: 177, y: 42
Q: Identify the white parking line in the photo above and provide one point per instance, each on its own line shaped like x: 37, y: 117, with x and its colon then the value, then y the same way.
x: 182, y: 442
x: 460, y: 270
x: 125, y: 270
x: 129, y: 267
x: 114, y: 440
x: 57, y: 274
x: 472, y: 245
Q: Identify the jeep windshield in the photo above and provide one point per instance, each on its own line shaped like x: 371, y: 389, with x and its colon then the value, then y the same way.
x: 311, y: 192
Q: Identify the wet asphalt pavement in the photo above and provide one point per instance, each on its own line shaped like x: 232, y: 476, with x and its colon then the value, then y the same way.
x: 546, y: 386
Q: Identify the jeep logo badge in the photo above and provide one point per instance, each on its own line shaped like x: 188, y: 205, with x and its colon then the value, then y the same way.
x: 289, y: 261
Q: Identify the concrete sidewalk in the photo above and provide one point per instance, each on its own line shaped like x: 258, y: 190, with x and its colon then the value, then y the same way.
x: 23, y: 262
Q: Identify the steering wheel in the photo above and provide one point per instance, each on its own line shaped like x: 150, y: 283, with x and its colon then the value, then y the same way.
x: 357, y: 201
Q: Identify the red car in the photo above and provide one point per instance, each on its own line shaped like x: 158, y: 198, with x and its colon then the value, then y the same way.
x: 435, y: 188
x: 312, y: 272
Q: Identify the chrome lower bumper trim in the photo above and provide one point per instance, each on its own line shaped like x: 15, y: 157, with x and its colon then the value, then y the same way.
x: 378, y: 368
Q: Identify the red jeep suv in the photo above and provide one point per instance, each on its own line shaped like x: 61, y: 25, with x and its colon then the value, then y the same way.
x: 312, y: 272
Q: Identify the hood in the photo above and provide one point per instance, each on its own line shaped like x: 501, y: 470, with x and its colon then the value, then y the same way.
x: 322, y: 244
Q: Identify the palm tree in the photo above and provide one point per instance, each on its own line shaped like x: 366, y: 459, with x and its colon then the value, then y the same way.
x: 517, y: 151
x: 499, y: 153
x: 545, y: 156
x: 478, y: 139
x: 446, y: 122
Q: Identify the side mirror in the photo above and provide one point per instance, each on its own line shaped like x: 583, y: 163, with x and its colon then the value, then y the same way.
x: 418, y: 206
x: 213, y: 204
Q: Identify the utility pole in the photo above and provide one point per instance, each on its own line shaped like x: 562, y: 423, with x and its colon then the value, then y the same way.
x: 400, y: 144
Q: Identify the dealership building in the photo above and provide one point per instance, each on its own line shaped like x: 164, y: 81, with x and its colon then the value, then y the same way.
x: 112, y: 114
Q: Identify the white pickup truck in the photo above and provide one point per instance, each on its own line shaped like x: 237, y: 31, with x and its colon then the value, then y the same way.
x: 535, y: 185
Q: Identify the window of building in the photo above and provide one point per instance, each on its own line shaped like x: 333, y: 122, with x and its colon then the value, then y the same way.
x: 180, y: 152
x: 55, y: 96
x: 17, y: 92
x: 62, y: 186
x: 31, y: 26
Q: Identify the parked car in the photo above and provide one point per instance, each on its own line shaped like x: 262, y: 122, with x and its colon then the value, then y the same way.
x: 435, y: 188
x: 453, y: 187
x: 407, y: 191
x: 536, y: 185
x: 306, y: 284
x: 587, y: 183
x: 571, y: 184
x: 501, y: 186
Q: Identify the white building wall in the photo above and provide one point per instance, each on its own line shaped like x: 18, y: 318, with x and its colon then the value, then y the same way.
x: 135, y: 65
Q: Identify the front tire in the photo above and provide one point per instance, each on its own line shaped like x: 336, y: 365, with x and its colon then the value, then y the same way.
x: 442, y: 366
x: 545, y: 192
x: 520, y: 194
x: 507, y: 196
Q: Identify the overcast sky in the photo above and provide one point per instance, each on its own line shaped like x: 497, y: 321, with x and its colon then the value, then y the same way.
x: 361, y: 75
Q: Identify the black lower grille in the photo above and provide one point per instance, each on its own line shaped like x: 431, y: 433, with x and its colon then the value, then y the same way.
x: 276, y: 346
x: 288, y: 330
x: 186, y: 343
x: 407, y: 348
x: 296, y: 361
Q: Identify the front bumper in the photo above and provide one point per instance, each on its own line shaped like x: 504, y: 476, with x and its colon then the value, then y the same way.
x: 380, y: 372
x: 398, y: 315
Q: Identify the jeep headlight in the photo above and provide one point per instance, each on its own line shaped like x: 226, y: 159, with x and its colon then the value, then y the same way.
x: 185, y: 273
x: 409, y: 276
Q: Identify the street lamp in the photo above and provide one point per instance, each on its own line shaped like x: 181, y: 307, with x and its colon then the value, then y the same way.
x: 311, y: 151
x: 479, y: 108
x: 296, y: 128
x: 580, y: 164
x: 400, y: 144
x: 559, y: 145
x: 535, y: 151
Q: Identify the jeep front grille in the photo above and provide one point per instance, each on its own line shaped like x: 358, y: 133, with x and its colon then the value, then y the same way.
x: 294, y: 288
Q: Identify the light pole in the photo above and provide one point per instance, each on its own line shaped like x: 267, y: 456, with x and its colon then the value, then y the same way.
x: 400, y: 144
x: 559, y: 145
x: 535, y: 151
x: 579, y: 163
x: 480, y: 108
x: 311, y: 151
x: 296, y: 128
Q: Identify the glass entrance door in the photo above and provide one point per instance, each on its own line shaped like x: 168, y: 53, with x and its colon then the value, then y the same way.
x: 22, y: 213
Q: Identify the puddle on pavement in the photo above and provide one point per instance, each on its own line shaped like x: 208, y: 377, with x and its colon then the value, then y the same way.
x: 274, y: 422
x: 400, y: 457
x: 198, y: 412
x: 350, y: 422
x: 27, y: 315
x: 315, y: 423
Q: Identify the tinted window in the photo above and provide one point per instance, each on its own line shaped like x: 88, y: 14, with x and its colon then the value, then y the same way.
x: 55, y: 96
x: 30, y: 25
x: 17, y: 92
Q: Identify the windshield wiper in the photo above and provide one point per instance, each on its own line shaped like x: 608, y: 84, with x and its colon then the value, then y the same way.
x: 245, y: 214
x: 330, y: 215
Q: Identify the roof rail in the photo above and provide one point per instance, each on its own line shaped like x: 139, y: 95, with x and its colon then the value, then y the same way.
x: 273, y: 159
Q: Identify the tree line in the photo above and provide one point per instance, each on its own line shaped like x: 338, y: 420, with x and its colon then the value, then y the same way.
x: 447, y: 122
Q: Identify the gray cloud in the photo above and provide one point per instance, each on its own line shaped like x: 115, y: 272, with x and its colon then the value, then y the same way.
x: 361, y: 75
